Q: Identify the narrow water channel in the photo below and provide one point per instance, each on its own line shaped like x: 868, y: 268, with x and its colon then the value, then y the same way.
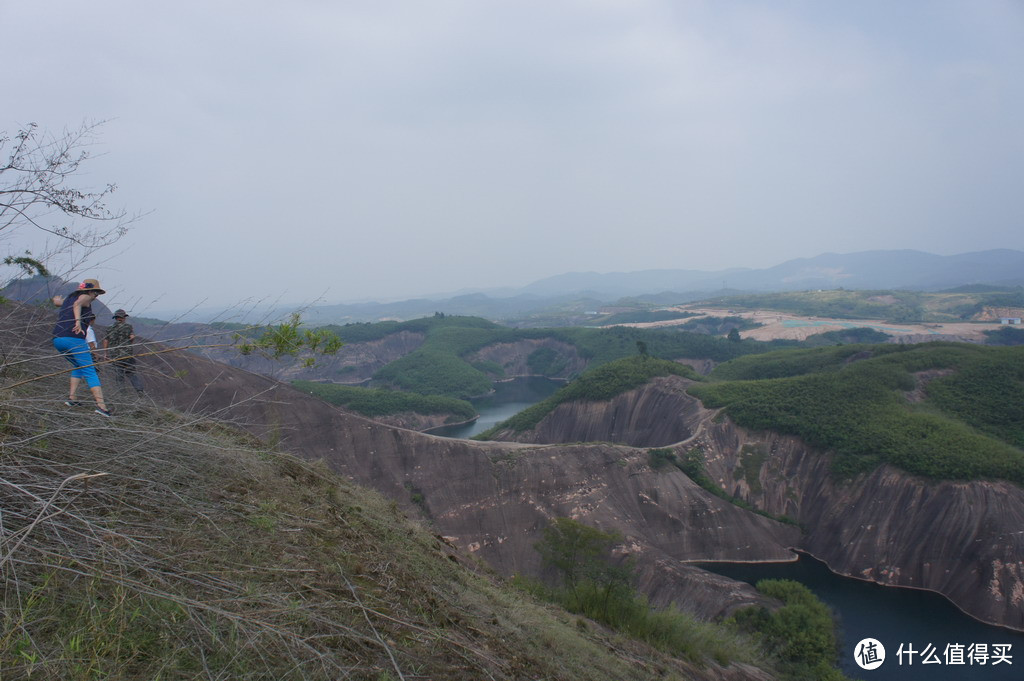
x: 895, y: 616
x: 865, y: 610
x: 508, y: 399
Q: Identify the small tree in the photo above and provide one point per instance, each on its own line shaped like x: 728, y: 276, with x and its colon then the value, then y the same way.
x: 288, y: 338
x: 583, y: 557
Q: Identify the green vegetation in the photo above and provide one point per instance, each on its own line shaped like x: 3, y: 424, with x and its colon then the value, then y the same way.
x: 987, y: 393
x: 594, y: 583
x: 841, y: 304
x: 433, y: 372
x: 439, y: 366
x: 546, y: 362
x: 443, y: 364
x: 490, y: 368
x: 801, y: 632
x: 860, y: 335
x: 1006, y: 335
x: 600, y: 346
x: 602, y: 383
x: 28, y: 265
x: 289, y: 338
x: 893, y: 306
x: 853, y: 401
x: 374, y: 402
x: 371, y: 331
x: 719, y: 326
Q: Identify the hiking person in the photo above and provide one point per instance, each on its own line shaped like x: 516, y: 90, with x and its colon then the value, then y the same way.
x: 117, y: 344
x: 73, y: 320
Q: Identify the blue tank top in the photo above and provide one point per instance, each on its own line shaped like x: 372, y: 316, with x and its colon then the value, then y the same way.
x: 66, y: 318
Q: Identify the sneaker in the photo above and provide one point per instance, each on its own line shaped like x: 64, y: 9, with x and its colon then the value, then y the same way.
x: 103, y: 412
x: 72, y: 403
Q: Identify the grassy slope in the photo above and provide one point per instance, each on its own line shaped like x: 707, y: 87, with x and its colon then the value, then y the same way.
x: 197, y: 554
x: 851, y: 400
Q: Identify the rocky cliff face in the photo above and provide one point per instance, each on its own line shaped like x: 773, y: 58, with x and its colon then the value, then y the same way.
x: 494, y: 499
x: 963, y: 540
x: 656, y: 415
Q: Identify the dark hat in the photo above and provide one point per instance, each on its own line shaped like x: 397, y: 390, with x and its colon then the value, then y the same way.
x: 120, y: 314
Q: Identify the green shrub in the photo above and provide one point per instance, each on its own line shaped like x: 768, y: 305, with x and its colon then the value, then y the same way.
x: 659, y: 458
x: 801, y: 632
x: 594, y: 583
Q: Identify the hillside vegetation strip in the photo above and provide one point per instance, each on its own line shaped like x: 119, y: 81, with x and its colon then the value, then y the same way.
x: 850, y: 400
x: 442, y: 365
x: 890, y: 305
x: 371, y: 402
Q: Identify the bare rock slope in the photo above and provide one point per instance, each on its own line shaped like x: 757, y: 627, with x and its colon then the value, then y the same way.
x: 658, y: 414
x: 494, y: 499
x: 961, y: 539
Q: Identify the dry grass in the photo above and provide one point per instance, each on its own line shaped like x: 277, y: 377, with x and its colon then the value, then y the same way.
x: 157, y: 545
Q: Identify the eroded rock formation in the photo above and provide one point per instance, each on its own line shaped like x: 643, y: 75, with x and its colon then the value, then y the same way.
x: 658, y: 414
x: 494, y: 499
x: 961, y: 539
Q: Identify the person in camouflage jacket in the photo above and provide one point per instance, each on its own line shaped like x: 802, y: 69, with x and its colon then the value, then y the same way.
x: 117, y: 343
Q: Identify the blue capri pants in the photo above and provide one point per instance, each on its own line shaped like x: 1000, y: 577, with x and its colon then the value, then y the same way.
x: 76, y: 351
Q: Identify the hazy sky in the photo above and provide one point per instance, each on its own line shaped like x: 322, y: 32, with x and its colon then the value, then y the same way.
x: 379, y: 149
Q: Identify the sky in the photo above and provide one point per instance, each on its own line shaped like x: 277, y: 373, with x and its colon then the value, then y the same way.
x: 329, y: 151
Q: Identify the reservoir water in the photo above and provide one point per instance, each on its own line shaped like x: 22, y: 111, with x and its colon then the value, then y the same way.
x: 865, y: 610
x: 896, y: 616
x: 508, y: 399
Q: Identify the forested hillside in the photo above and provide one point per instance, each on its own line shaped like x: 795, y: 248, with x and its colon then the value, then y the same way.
x: 940, y: 410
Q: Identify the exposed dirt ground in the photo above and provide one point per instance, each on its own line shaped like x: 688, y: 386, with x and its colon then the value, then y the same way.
x: 795, y: 327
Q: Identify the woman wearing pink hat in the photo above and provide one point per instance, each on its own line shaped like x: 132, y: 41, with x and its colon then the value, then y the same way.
x: 73, y: 321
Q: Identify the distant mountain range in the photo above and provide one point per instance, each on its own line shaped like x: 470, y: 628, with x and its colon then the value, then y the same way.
x: 905, y: 269
x: 565, y: 295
